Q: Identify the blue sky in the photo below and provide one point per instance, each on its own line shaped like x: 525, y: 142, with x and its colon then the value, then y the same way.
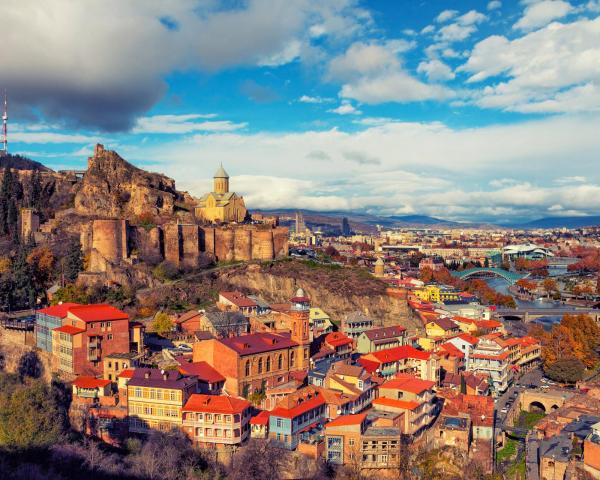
x: 466, y: 110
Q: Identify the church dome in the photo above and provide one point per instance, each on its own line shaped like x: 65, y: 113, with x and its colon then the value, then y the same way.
x: 221, y: 173
x: 300, y: 293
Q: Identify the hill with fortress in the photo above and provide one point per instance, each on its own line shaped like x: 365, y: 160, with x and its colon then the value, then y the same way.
x: 129, y: 220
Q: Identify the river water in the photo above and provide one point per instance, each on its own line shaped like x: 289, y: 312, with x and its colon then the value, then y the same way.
x: 501, y: 285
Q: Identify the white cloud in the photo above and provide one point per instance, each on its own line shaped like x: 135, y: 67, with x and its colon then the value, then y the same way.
x: 494, y: 5
x: 436, y: 70
x: 462, y: 27
x: 179, y: 124
x: 373, y: 73
x: 541, y: 13
x: 428, y: 167
x: 554, y: 69
x: 446, y: 15
x: 311, y: 99
x: 428, y: 29
x: 346, y: 108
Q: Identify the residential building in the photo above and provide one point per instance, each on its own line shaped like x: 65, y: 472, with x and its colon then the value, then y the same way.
x: 355, y: 386
x: 467, y: 382
x: 339, y: 344
x: 224, y: 324
x: 343, y: 439
x: 320, y: 322
x: 452, y: 360
x: 381, y: 339
x: 155, y: 399
x: 88, y: 334
x: 46, y: 320
x: 115, y: 363
x: 555, y: 454
x: 297, y: 414
x: 210, y: 381
x: 90, y: 389
x: 465, y: 343
x: 405, y: 359
x: 591, y: 451
x: 492, y: 357
x: 216, y: 420
x: 355, y: 323
x: 441, y: 327
x: 237, y: 302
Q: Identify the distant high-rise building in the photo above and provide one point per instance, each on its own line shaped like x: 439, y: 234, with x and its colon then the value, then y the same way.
x: 300, y: 225
x: 345, y: 227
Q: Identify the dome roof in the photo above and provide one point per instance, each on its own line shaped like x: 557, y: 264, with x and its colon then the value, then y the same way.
x: 300, y: 293
x: 221, y: 173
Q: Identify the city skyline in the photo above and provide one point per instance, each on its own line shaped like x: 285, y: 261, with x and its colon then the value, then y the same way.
x: 487, y: 111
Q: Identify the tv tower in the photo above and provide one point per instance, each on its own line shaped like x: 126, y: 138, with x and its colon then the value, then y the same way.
x: 4, y: 122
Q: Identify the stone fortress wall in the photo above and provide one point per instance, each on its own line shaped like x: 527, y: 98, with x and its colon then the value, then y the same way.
x: 115, y: 241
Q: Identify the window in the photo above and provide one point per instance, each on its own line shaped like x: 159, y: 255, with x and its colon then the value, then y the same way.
x: 138, y: 392
x: 109, y: 364
x: 247, y: 368
x: 351, y: 442
x: 109, y: 324
x: 280, y: 362
x: 260, y: 365
x: 218, y: 417
x: 109, y: 336
x: 292, y: 355
x: 268, y: 367
x: 279, y: 423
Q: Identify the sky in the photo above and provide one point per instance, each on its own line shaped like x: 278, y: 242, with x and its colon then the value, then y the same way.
x: 464, y: 110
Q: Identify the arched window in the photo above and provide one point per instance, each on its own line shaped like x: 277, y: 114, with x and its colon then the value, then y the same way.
x: 268, y: 364
x: 247, y: 368
x: 292, y: 354
x: 280, y: 362
x: 260, y: 365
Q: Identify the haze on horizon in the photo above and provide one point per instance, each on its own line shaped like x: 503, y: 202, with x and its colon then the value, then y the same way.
x: 486, y: 112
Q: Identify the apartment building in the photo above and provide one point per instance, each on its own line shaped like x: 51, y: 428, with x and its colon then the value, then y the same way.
x: 405, y: 359
x: 46, y: 320
x: 216, y: 421
x: 492, y: 357
x: 381, y: 339
x: 155, y: 399
x: 356, y: 323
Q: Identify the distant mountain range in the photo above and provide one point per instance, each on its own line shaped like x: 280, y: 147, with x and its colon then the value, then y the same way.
x: 560, y: 222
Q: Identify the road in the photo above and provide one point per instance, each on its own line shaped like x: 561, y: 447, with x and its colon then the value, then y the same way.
x: 531, y: 458
x: 532, y: 378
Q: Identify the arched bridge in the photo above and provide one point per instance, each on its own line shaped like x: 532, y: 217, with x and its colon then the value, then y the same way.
x: 539, y: 401
x: 527, y: 314
x: 484, y: 272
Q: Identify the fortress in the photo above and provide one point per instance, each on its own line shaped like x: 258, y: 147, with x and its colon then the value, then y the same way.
x: 213, y: 233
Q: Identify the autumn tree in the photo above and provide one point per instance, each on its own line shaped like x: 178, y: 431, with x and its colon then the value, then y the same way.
x: 426, y: 275
x: 41, y: 261
x: 162, y: 323
x: 258, y: 460
x: 550, y: 286
x: 569, y: 370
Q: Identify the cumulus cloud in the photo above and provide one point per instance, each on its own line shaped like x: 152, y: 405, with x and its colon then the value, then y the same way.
x: 539, y: 14
x: 494, y: 5
x: 179, y: 124
x: 373, y: 73
x: 311, y: 99
x: 102, y: 64
x: 436, y: 70
x: 446, y: 15
x: 461, y: 28
x: 554, y: 69
x: 346, y: 108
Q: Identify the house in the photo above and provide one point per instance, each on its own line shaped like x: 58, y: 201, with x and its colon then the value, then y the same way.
x: 340, y: 344
x: 46, y: 320
x: 591, y: 451
x: 465, y: 343
x: 297, y: 414
x: 343, y: 439
x: 467, y: 382
x: 115, y: 363
x: 88, y: 334
x: 354, y: 384
x: 412, y: 396
x: 90, y: 388
x: 381, y: 339
x: 216, y: 420
x: 452, y: 360
x: 356, y: 323
x: 224, y: 324
x: 405, y: 359
x: 155, y: 399
x: 210, y: 381
x: 320, y: 322
x: 237, y: 302
x: 492, y: 357
x: 441, y: 327
x: 259, y: 425
x: 555, y: 455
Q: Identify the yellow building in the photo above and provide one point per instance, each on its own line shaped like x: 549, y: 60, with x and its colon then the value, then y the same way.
x: 155, y: 399
x: 221, y: 205
x: 428, y: 293
x: 441, y: 327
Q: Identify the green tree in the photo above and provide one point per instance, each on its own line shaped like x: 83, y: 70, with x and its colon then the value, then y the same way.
x: 35, y: 192
x: 566, y: 371
x: 73, y: 261
x: 22, y: 285
x: 71, y: 293
x: 31, y: 414
x: 162, y: 323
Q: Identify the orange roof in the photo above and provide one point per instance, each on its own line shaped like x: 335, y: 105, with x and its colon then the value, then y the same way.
x: 390, y: 402
x: 239, y: 299
x: 468, y: 338
x: 488, y: 324
x: 59, y: 311
x: 204, y: 371
x: 98, y: 312
x: 215, y: 404
x: 127, y: 373
x: 408, y: 383
x: 261, y: 419
x: 305, y: 406
x: 451, y: 350
x: 337, y: 339
x: 69, y: 329
x: 346, y: 420
x: 399, y: 353
x: 482, y: 356
x: 90, y: 382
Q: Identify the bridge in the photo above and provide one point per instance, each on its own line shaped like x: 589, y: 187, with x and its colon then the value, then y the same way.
x: 529, y: 314
x: 486, y: 272
x: 540, y: 401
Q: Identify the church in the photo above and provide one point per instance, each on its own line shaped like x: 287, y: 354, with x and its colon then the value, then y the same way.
x: 221, y: 205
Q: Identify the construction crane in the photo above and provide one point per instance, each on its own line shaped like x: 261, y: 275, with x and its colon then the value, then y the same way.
x: 4, y: 125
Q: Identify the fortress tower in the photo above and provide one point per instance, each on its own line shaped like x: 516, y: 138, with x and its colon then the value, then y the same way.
x: 30, y: 222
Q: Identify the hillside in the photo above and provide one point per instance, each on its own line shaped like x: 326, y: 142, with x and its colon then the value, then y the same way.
x: 560, y: 222
x: 18, y: 162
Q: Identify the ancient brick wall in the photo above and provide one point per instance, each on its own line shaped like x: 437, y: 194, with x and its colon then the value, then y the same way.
x: 280, y: 241
x: 109, y: 238
x: 262, y: 245
x: 243, y: 244
x: 30, y: 222
x: 172, y: 243
x: 224, y: 244
x: 190, y: 243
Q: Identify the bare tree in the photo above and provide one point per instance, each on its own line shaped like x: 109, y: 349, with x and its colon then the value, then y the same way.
x: 258, y: 460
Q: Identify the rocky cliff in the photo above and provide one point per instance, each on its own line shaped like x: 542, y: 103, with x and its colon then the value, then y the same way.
x: 112, y: 187
x: 337, y: 291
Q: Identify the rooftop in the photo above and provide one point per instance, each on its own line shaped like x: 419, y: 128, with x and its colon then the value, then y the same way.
x: 98, y: 312
x: 59, y: 311
x: 215, y: 404
x: 258, y: 343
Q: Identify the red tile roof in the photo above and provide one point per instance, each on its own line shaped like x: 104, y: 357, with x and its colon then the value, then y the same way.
x: 261, y: 419
x: 346, y: 420
x: 385, y: 332
x: 258, y: 342
x: 204, y: 371
x: 408, y: 383
x: 302, y: 404
x: 98, y: 312
x: 215, y: 404
x: 239, y: 299
x: 337, y: 339
x: 451, y: 350
x: 69, y: 329
x: 90, y: 382
x: 59, y: 311
x: 390, y: 402
x: 369, y: 365
x: 445, y: 323
x: 499, y: 357
x: 468, y: 338
x: 399, y: 353
x: 127, y: 373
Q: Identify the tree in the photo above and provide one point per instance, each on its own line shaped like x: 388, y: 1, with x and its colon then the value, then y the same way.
x: 569, y: 370
x: 426, y: 274
x: 30, y: 366
x: 259, y: 460
x: 22, y: 287
x: 550, y: 286
x: 71, y: 293
x: 162, y: 323
x: 165, y: 271
x: 72, y: 262
x: 41, y: 261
